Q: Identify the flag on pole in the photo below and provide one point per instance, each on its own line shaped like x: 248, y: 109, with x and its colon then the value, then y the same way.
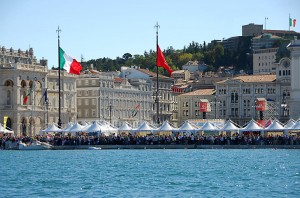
x: 161, y: 61
x: 135, y: 111
x: 292, y: 22
x: 68, y: 63
x: 27, y: 96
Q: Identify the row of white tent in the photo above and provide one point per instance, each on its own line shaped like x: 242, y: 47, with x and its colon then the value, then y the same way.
x: 187, y: 127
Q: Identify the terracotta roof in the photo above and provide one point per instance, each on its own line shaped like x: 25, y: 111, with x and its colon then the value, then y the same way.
x: 262, y: 36
x: 118, y: 80
x: 253, y: 78
x: 280, y: 31
x: 152, y: 74
x: 200, y: 92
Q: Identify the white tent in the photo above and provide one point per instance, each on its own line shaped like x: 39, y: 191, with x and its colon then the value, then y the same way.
x: 208, y: 126
x: 165, y: 127
x: 107, y: 129
x: 52, y: 128
x: 92, y: 128
x: 275, y: 126
x: 125, y: 127
x: 188, y: 127
x: 144, y: 127
x: 251, y: 126
x: 4, y: 130
x: 289, y: 124
x: 230, y: 126
x: 68, y: 127
x: 296, y: 125
x: 75, y: 128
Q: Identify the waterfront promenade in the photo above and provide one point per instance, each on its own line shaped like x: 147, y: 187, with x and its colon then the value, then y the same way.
x: 175, y: 146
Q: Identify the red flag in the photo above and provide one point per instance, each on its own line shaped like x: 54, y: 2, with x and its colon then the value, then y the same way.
x: 25, y: 100
x: 161, y: 61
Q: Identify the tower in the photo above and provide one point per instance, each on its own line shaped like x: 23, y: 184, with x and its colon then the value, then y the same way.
x: 294, y: 102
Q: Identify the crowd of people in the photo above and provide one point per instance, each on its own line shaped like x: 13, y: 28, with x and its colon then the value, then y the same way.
x: 7, y: 142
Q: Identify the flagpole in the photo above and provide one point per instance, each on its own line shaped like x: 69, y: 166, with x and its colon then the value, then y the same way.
x: 289, y: 22
x: 156, y: 95
x: 59, y: 110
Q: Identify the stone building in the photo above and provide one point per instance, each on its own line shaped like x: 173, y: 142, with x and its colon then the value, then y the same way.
x: 22, y: 76
x: 106, y: 96
x: 263, y: 61
x: 189, y: 105
x: 294, y: 101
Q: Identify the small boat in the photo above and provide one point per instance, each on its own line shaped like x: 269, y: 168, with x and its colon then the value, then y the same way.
x: 94, y: 148
x: 35, y: 145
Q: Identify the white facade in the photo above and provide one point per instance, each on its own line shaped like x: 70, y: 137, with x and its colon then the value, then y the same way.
x: 294, y: 47
x: 263, y: 61
x: 107, y: 97
x: 22, y: 75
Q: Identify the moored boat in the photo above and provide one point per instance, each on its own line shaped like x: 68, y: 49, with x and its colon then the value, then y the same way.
x: 36, y: 145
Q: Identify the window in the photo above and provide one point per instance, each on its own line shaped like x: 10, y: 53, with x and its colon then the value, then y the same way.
x: 79, y: 102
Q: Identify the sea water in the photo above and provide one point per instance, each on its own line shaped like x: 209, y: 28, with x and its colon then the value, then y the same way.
x: 150, y: 173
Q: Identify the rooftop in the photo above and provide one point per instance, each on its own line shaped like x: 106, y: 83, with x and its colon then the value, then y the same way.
x: 200, y: 92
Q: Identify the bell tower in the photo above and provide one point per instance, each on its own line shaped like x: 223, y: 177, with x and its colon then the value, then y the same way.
x: 294, y: 102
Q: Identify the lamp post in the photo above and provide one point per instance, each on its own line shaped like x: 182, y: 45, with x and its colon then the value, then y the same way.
x: 110, y: 109
x: 215, y: 107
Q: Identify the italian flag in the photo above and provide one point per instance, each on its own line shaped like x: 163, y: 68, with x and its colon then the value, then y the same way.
x: 292, y: 22
x: 68, y: 63
x: 27, y: 96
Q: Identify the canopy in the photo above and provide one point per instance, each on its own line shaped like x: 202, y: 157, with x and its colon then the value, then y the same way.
x: 296, y: 125
x: 252, y: 125
x: 275, y: 126
x: 289, y: 124
x: 187, y: 127
x: 92, y: 128
x: 209, y: 127
x: 166, y: 126
x: 68, y: 127
x: 52, y: 128
x: 76, y: 128
x: 125, y: 127
x: 144, y: 127
x: 4, y: 130
x: 229, y: 126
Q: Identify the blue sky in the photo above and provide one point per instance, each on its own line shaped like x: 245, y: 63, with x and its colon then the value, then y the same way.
x: 110, y: 28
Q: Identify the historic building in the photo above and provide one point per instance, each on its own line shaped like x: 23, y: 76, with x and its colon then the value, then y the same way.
x: 263, y: 61
x: 294, y: 99
x: 106, y: 96
x: 189, y: 105
x: 24, y: 82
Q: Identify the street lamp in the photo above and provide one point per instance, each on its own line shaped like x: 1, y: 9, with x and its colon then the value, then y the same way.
x: 110, y: 109
x: 215, y: 107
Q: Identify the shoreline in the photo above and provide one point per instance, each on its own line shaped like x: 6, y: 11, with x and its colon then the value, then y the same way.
x: 193, y: 146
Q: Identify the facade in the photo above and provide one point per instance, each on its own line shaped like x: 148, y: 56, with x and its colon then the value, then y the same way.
x: 294, y: 101
x: 189, y: 105
x: 181, y: 75
x: 263, y: 61
x: 20, y: 76
x: 194, y: 66
x: 167, y: 101
x: 252, y: 29
x: 237, y: 97
x: 106, y: 96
